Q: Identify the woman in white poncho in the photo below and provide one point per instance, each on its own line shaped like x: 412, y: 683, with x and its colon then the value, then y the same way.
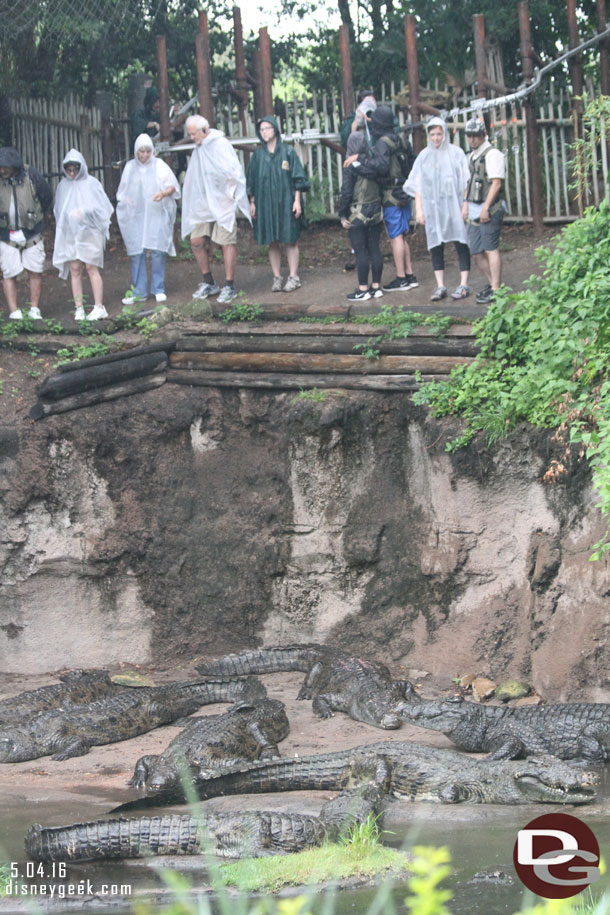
x: 146, y: 212
x: 82, y: 217
x: 438, y: 181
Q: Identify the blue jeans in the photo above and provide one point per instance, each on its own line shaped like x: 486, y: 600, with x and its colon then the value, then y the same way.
x: 139, y: 278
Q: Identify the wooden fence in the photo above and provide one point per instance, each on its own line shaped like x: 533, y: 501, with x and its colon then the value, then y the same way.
x: 44, y: 131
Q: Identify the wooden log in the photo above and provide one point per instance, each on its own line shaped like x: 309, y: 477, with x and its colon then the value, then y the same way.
x: 290, y: 310
x: 315, y: 343
x: 100, y: 395
x: 305, y: 329
x: 293, y: 382
x: 98, y: 376
x: 165, y: 347
x: 316, y: 362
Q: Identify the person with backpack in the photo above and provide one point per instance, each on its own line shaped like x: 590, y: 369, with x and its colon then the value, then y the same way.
x: 389, y: 163
x: 361, y: 214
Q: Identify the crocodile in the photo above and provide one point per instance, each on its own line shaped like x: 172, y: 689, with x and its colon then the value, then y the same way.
x: 335, y: 680
x: 77, y: 687
x: 228, y: 835
x: 245, y: 732
x: 73, y: 731
x: 579, y: 730
x: 406, y: 770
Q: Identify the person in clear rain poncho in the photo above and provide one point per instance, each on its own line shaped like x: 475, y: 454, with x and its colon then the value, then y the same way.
x: 213, y: 193
x: 82, y: 217
x: 275, y: 181
x: 437, y: 181
x: 146, y: 212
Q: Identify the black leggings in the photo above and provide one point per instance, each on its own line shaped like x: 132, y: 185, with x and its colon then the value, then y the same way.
x: 365, y: 242
x: 463, y: 253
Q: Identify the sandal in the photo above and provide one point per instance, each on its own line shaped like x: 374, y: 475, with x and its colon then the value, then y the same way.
x: 439, y: 293
x: 462, y: 292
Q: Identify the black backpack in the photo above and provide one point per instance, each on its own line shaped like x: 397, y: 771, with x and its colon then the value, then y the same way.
x: 403, y: 158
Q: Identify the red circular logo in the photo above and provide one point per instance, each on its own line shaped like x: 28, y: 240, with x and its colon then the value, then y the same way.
x: 556, y: 856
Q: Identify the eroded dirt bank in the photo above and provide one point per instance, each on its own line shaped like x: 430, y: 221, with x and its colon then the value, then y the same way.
x: 196, y: 521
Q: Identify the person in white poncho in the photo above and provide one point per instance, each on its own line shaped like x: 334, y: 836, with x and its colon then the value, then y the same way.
x: 82, y: 217
x: 214, y: 191
x: 146, y: 212
x: 437, y: 181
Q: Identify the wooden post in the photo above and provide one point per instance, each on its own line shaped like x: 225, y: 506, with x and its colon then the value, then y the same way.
x: 240, y: 69
x: 255, y: 59
x: 204, y: 69
x: 264, y: 51
x: 604, y: 48
x: 85, y: 138
x: 347, y: 86
x: 413, y: 77
x: 529, y: 105
x: 575, y: 62
x: 163, y: 82
x: 478, y: 27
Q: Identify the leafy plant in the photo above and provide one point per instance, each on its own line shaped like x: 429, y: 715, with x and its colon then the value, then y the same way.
x: 76, y: 352
x: 242, y: 311
x: 314, y: 394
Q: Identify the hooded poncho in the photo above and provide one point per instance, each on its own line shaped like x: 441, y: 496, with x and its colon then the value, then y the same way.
x: 272, y: 179
x: 147, y: 224
x: 82, y: 216
x: 440, y: 177
x: 214, y: 186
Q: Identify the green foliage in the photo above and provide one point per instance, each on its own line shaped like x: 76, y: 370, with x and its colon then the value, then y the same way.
x: 242, y: 311
x: 316, y: 201
x: 545, y: 354
x: 401, y: 323
x: 77, y: 351
x: 430, y: 866
x: 586, y: 159
x: 314, y: 394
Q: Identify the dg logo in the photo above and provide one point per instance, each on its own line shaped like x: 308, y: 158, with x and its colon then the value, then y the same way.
x: 556, y: 856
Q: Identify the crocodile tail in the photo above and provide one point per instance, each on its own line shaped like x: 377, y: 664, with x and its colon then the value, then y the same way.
x: 232, y: 689
x: 122, y: 838
x: 263, y: 661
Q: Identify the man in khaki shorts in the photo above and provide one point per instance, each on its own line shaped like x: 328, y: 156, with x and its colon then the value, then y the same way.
x: 25, y: 196
x: 214, y: 190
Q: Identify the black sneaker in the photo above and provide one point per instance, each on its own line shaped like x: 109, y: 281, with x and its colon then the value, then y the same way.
x: 350, y: 265
x: 375, y: 293
x: 412, y: 280
x: 485, y: 296
x: 398, y: 284
x: 359, y: 295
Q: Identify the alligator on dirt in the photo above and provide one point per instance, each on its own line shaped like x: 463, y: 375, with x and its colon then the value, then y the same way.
x: 403, y: 770
x: 579, y: 730
x: 228, y: 835
x: 77, y: 687
x: 335, y: 680
x: 246, y: 732
x: 73, y: 731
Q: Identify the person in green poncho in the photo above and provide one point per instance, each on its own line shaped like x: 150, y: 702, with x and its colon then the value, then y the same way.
x: 275, y: 181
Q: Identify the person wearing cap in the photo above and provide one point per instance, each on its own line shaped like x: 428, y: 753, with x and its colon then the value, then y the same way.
x: 483, y: 208
x: 25, y: 197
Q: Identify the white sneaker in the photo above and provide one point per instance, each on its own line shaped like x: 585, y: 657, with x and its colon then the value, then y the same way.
x: 132, y: 299
x: 98, y: 312
x: 160, y: 297
x: 16, y: 315
x: 79, y: 314
x: 292, y: 283
x: 34, y: 313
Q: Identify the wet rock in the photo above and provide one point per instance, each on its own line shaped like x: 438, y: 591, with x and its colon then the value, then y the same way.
x: 533, y: 699
x: 482, y: 688
x: 512, y: 689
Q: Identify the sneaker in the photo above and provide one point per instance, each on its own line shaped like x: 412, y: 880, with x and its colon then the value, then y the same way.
x: 359, y: 295
x: 376, y: 293
x: 98, y: 312
x: 411, y: 280
x: 462, y: 292
x: 16, y: 315
x: 160, y: 297
x: 485, y: 296
x: 292, y: 283
x: 79, y: 314
x: 439, y: 293
x: 350, y: 265
x: 34, y: 313
x: 398, y: 284
x: 132, y: 299
x: 206, y: 289
x: 227, y: 294
x: 277, y: 284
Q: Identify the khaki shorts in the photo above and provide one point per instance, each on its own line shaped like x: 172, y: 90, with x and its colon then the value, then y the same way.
x: 14, y: 260
x: 216, y: 233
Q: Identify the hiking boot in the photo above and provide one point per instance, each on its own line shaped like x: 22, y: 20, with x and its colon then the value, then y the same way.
x: 359, y: 295
x: 16, y: 315
x: 462, y: 292
x: 439, y: 293
x: 411, y: 280
x: 376, y: 293
x: 485, y: 296
x: 227, y: 294
x: 292, y: 283
x: 398, y: 284
x: 276, y: 285
x: 97, y: 313
x: 34, y: 313
x: 206, y: 289
x: 79, y: 314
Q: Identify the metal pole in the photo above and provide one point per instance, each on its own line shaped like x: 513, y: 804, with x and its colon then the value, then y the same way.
x: 604, y: 66
x: 204, y: 69
x: 264, y: 50
x: 413, y: 77
x: 529, y: 104
x: 347, y: 86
